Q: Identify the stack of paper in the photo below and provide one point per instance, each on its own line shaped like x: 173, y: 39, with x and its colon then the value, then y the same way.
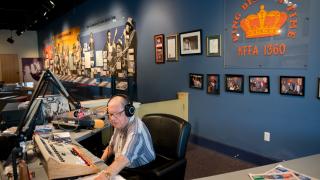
x: 280, y: 172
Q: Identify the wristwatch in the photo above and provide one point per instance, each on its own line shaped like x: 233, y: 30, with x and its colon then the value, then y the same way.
x: 107, y: 174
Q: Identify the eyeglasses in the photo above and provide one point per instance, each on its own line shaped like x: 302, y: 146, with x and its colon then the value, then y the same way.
x: 116, y: 115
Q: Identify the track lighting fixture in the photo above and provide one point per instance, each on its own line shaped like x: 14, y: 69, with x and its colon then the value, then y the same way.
x: 19, y: 32
x: 52, y: 3
x: 10, y: 39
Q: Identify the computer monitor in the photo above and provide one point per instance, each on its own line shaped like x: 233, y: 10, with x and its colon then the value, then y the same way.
x: 28, y: 84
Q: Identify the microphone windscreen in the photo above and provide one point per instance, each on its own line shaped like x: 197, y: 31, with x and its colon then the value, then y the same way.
x: 98, y: 123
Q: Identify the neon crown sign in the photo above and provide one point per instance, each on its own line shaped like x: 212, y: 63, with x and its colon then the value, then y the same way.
x: 264, y: 23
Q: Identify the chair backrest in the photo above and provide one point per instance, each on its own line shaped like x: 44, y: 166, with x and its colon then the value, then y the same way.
x: 169, y: 134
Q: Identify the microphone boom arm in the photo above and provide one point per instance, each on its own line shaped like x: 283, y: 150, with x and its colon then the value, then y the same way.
x: 41, y: 88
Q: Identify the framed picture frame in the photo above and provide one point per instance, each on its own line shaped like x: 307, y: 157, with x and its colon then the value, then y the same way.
x: 190, y: 42
x: 159, y: 48
x: 259, y: 84
x: 292, y: 85
x: 121, y: 84
x: 214, y: 46
x: 213, y: 83
x: 318, y: 96
x: 196, y: 81
x: 172, y: 48
x: 234, y: 83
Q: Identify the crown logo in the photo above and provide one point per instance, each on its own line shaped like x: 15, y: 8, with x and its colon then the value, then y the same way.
x: 263, y: 24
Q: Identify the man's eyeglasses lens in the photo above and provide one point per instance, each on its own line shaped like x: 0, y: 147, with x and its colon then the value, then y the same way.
x: 115, y: 114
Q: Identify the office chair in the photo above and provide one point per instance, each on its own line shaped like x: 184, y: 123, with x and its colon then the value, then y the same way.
x: 170, y: 136
x: 1, y: 84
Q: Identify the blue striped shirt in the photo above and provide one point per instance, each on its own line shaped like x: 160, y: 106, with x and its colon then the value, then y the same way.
x: 134, y: 142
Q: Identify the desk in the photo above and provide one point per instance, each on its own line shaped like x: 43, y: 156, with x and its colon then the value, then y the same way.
x: 11, y: 115
x: 36, y: 166
x: 7, y: 93
x: 83, y: 134
x: 309, y: 165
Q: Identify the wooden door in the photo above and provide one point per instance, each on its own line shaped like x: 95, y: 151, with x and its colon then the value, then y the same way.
x: 9, y: 68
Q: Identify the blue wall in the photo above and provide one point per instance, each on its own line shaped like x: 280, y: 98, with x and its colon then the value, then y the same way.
x: 238, y: 120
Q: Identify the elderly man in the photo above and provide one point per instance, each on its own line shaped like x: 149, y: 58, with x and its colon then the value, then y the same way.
x: 130, y: 143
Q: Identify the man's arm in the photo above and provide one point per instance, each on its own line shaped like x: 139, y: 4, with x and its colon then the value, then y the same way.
x: 107, y: 153
x: 117, y: 165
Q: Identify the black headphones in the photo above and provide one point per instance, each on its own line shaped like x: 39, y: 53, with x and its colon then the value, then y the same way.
x: 129, y: 109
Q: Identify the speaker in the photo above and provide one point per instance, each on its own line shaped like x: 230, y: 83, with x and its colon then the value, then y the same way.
x: 129, y: 109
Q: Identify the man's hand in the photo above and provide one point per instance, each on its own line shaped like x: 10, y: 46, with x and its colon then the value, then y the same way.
x: 103, y: 176
x: 117, y: 165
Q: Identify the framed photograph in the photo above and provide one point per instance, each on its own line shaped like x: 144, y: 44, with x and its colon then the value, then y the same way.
x: 213, y: 84
x: 214, y: 45
x: 159, y: 48
x: 292, y: 85
x: 172, y: 48
x: 196, y: 81
x: 121, y: 84
x: 234, y: 83
x: 318, y: 96
x: 190, y: 43
x: 259, y: 84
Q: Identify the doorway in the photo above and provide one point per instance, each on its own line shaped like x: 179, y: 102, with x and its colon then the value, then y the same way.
x: 9, y: 68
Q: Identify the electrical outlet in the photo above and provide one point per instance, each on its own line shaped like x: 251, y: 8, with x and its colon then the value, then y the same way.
x: 267, y: 136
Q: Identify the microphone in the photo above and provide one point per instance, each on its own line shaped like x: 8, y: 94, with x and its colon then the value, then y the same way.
x: 87, y: 122
x: 98, y: 123
x: 83, y: 123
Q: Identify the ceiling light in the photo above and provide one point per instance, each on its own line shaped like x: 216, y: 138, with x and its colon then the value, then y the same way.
x: 45, y: 13
x: 52, y: 3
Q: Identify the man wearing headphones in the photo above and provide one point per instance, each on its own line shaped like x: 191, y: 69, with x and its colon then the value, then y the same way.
x: 130, y: 143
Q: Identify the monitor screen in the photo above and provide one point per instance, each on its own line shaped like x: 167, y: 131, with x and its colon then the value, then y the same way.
x: 28, y: 84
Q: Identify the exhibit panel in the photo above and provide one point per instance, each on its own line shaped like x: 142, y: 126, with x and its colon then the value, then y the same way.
x: 96, y: 54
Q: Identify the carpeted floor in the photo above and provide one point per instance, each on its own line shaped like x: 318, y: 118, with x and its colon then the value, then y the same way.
x: 202, y: 162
